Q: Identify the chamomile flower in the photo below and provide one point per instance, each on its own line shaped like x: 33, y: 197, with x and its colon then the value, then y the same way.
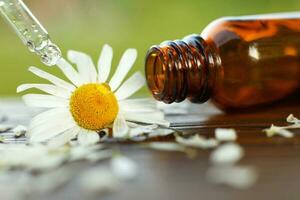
x: 88, y: 103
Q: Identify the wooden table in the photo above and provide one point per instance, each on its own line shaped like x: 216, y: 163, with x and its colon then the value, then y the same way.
x: 174, y: 176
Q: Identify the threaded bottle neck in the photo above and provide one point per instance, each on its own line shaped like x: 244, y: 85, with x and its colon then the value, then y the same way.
x: 176, y: 70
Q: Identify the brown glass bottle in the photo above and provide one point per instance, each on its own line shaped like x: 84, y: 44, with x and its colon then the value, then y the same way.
x: 237, y: 62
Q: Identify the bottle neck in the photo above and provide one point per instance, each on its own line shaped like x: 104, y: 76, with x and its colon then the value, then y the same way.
x: 176, y: 70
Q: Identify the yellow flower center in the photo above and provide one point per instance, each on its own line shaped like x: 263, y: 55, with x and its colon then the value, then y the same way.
x: 94, y: 106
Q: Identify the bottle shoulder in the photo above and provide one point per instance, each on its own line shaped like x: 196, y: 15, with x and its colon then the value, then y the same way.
x: 252, y: 28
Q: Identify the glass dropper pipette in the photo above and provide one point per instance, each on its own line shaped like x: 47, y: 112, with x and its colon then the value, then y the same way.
x: 30, y: 30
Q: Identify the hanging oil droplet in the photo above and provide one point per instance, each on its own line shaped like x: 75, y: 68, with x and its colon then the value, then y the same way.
x: 50, y: 54
x: 30, y: 31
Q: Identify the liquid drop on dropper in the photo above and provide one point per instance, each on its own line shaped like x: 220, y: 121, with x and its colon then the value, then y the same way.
x: 50, y: 54
x: 30, y: 31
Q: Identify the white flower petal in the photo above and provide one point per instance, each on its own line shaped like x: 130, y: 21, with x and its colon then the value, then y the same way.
x: 123, y: 167
x: 87, y: 138
x: 120, y: 127
x: 98, y: 180
x: 139, y: 130
x: 148, y: 118
x: 227, y: 154
x: 91, y: 153
x: 19, y: 131
x: 85, y: 65
x: 281, y: 131
x: 63, y: 138
x: 104, y: 63
x: 130, y: 86
x: 48, y: 115
x: 123, y: 68
x: 53, y: 79
x: 48, y: 161
x: 225, y: 134
x: 239, y: 177
x: 98, y: 155
x: 51, y: 181
x: 50, y: 129
x: 69, y: 71
x: 48, y: 88
x: 160, y: 132
x: 31, y: 157
x: 197, y: 141
x: 166, y: 146
x: 44, y: 101
x: 292, y: 119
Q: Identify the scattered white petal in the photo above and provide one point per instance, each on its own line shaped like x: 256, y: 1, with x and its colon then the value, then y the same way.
x: 227, y: 154
x: 104, y: 63
x: 93, y: 153
x: 139, y: 130
x: 239, y: 177
x: 51, y: 160
x: 224, y: 134
x: 292, y: 119
x: 276, y: 130
x: 87, y: 138
x: 34, y: 157
x: 123, y: 68
x: 43, y: 158
x: 64, y: 138
x: 120, y: 127
x: 197, y: 141
x: 130, y: 86
x: 165, y: 146
x: 160, y: 132
x: 96, y: 156
x: 98, y: 180
x: 19, y: 131
x: 123, y: 168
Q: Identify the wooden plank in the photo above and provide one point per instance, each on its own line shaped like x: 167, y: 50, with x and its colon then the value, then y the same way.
x: 169, y: 175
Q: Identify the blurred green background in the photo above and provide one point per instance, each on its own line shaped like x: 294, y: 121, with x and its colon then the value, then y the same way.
x: 86, y: 25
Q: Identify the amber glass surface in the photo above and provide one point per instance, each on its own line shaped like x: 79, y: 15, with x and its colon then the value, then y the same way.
x: 246, y: 61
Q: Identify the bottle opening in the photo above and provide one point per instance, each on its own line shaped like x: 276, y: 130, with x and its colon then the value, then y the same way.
x: 156, y: 73
x: 176, y: 70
